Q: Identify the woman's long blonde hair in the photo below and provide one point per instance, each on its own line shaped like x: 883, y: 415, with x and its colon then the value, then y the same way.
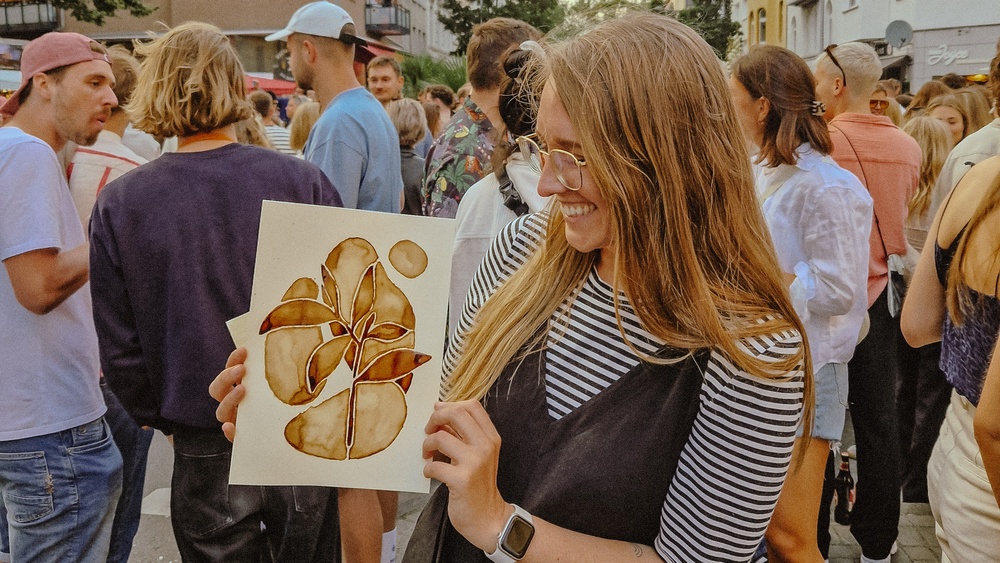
x: 958, y: 298
x: 190, y: 81
x: 935, y: 144
x: 693, y: 256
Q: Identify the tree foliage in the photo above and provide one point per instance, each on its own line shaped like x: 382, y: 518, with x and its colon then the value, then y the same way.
x: 459, y: 16
x: 94, y: 11
x: 712, y: 19
x: 422, y: 71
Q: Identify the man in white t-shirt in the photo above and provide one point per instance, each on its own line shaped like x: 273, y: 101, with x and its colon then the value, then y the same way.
x: 60, y: 471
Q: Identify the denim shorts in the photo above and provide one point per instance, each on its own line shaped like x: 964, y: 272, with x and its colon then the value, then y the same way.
x: 60, y: 491
x: 830, y: 387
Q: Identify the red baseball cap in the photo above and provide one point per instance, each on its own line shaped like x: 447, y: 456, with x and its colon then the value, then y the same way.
x: 51, y: 51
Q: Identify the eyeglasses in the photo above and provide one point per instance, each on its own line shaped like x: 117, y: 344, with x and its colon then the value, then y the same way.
x: 829, y: 52
x: 568, y: 168
x: 878, y: 104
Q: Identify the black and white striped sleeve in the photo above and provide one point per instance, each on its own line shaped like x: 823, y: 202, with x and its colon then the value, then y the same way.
x: 509, y: 252
x: 732, y: 468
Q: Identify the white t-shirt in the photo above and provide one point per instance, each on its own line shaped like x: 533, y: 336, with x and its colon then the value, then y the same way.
x: 49, y: 366
x: 481, y: 215
x: 94, y: 166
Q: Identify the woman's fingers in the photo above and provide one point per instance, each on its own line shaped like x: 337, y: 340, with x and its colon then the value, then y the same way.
x: 229, y: 429
x: 445, y: 444
x: 459, y: 419
x: 238, y: 356
x: 226, y: 411
x: 223, y: 383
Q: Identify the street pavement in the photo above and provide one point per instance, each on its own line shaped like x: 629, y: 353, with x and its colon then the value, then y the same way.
x: 155, y: 541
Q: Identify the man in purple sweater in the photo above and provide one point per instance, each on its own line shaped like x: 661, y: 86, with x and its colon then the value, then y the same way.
x: 173, y: 245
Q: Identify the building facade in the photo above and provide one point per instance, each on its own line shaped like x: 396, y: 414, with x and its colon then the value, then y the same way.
x: 945, y: 36
x: 410, y: 26
x: 762, y: 21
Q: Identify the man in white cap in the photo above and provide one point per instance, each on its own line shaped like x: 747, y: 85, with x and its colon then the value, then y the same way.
x: 357, y: 146
x: 353, y: 142
x: 60, y: 471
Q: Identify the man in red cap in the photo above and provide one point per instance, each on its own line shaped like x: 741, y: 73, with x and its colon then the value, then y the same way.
x: 60, y: 472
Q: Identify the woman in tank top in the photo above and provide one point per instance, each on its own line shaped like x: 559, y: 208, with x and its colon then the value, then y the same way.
x: 954, y: 298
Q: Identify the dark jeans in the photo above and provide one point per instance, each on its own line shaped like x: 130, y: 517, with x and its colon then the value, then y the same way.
x: 921, y: 401
x: 826, y: 499
x: 133, y: 443
x: 214, y: 521
x: 872, y: 374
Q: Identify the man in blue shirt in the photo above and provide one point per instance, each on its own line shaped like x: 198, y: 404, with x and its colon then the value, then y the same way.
x: 353, y: 142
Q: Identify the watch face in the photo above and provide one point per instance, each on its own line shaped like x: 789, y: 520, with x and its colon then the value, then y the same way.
x: 517, y: 537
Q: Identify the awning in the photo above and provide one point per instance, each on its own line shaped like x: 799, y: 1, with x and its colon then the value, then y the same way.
x: 363, y: 54
x: 279, y: 87
x: 895, y: 61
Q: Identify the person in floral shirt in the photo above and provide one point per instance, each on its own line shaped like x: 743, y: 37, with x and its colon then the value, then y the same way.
x: 460, y: 156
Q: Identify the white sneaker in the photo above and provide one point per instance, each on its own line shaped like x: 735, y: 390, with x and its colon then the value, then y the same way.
x: 892, y: 551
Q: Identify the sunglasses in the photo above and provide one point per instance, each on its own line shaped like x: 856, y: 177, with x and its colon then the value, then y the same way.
x: 568, y: 168
x: 829, y: 52
x: 878, y: 104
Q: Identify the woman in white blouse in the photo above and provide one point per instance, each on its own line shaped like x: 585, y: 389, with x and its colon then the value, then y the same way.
x: 820, y: 217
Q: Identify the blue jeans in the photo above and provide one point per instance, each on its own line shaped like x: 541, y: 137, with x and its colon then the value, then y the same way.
x: 4, y: 540
x: 133, y: 443
x: 60, y: 492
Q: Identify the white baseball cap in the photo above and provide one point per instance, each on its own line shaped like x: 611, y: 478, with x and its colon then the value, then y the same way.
x: 323, y: 19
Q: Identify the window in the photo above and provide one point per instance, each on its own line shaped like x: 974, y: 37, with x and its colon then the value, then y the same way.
x: 762, y: 25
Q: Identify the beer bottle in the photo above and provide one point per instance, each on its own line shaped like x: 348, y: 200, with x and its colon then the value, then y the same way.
x: 845, y: 492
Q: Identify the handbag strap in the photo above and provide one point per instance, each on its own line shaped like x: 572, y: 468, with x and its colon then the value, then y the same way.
x: 865, y: 178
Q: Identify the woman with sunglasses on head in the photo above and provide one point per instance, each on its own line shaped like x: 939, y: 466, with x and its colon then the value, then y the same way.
x: 820, y: 217
x: 633, y: 348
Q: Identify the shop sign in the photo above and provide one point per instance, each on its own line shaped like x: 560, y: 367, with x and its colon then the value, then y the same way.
x: 941, y: 54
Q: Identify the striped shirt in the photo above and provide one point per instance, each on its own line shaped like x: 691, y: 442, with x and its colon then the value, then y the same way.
x: 278, y: 136
x: 733, y: 465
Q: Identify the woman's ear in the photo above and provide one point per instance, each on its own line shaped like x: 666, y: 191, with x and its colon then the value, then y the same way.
x: 763, y: 108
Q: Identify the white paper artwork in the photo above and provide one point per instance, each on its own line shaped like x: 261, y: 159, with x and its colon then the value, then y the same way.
x: 344, y: 366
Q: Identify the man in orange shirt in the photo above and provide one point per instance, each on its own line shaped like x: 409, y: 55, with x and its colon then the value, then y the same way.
x: 887, y: 161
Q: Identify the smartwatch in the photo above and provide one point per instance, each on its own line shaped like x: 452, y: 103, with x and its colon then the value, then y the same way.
x: 514, y: 539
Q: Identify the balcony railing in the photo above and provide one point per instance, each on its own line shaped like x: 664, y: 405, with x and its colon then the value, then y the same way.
x: 387, y: 20
x: 27, y: 18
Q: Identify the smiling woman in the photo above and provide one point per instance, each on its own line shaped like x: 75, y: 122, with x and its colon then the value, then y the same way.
x: 606, y: 342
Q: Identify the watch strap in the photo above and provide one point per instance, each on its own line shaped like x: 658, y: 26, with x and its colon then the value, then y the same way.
x: 500, y: 555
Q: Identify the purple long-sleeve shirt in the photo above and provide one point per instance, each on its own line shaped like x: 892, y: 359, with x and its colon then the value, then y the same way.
x: 173, y: 244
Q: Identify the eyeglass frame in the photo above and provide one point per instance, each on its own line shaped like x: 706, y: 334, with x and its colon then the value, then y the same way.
x: 527, y: 141
x: 833, y: 59
x: 881, y: 104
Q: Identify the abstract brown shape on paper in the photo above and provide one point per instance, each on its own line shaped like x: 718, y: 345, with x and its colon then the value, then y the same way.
x: 408, y: 258
x: 371, y: 328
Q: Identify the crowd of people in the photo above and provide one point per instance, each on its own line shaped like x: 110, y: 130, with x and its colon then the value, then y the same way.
x: 666, y: 295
